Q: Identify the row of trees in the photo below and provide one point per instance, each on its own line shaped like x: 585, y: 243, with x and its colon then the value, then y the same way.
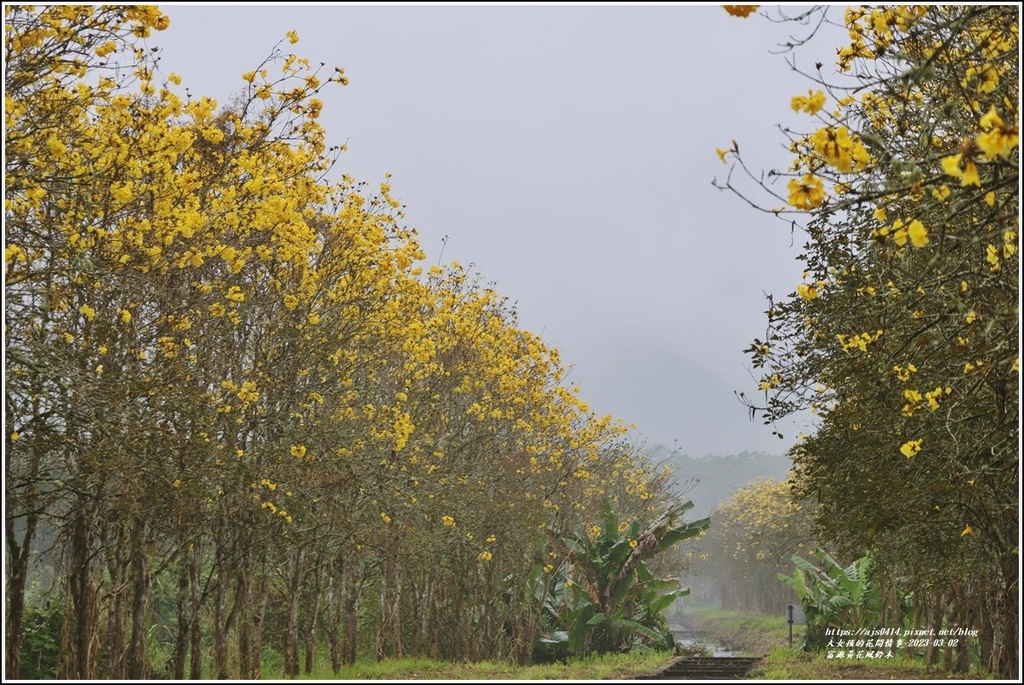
x: 756, y: 533
x: 237, y: 408
x: 904, y: 336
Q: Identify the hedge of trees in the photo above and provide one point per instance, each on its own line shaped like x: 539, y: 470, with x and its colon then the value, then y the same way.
x: 239, y: 411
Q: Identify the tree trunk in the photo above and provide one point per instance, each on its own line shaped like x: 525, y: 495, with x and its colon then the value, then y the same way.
x: 333, y: 626
x: 17, y: 574
x: 312, y: 615
x: 181, y: 640
x: 79, y: 634
x: 351, y: 588
x: 220, y: 627
x: 291, y: 633
x: 138, y: 664
x: 243, y: 603
x: 196, y: 664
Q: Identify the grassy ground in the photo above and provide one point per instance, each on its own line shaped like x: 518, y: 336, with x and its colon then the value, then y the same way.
x: 769, y: 635
x: 607, y: 667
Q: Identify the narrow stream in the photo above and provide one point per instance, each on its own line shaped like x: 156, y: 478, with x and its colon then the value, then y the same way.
x: 688, y: 638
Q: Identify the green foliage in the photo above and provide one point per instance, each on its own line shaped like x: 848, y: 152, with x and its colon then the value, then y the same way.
x: 40, y: 651
x: 835, y: 597
x: 604, y: 598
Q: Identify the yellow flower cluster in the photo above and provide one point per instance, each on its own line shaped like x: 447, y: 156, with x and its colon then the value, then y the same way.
x: 904, y: 373
x: 858, y: 342
x: 836, y: 146
x: 807, y: 291
x: 806, y: 193
x: 911, y: 447
x: 810, y: 104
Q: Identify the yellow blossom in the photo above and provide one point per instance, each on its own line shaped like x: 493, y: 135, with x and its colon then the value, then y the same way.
x: 951, y: 166
x: 55, y: 146
x: 941, y: 193
x: 298, y: 451
x: 970, y: 177
x: 811, y: 104
x: 806, y: 193
x: 904, y: 373
x: 998, y: 139
x: 911, y: 447
x: 808, y: 292
x: 992, y: 257
x: 918, y: 233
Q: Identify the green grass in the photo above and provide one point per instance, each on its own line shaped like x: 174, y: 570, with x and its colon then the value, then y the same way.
x: 604, y: 667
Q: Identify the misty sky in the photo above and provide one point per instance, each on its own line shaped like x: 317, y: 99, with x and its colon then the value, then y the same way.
x: 567, y: 153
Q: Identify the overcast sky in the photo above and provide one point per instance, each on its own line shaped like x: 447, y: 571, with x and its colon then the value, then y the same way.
x: 567, y: 153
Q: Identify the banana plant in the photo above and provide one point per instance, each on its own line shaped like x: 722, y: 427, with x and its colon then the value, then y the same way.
x: 604, y: 597
x: 835, y: 597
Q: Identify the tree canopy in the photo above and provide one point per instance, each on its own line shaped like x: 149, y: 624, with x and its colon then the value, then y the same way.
x: 903, y: 338
x: 237, y: 405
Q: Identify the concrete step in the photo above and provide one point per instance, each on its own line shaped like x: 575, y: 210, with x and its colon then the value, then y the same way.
x: 705, y: 668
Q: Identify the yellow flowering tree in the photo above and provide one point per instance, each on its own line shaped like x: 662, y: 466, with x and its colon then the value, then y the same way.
x: 235, y: 399
x: 903, y: 339
x: 755, y: 533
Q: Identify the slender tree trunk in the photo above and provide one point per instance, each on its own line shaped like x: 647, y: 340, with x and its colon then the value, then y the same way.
x: 1003, y: 617
x: 385, y: 612
x: 291, y: 634
x: 80, y: 620
x: 333, y: 622
x: 220, y: 627
x: 352, y: 588
x: 17, y: 575
x: 312, y: 615
x: 196, y: 664
x: 138, y: 665
x: 181, y: 639
x: 243, y: 600
x: 259, y: 613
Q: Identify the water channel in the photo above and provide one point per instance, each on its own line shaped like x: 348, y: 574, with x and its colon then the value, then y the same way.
x: 687, y: 638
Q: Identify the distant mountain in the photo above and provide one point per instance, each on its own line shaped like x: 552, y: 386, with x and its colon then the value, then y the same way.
x: 714, y: 478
